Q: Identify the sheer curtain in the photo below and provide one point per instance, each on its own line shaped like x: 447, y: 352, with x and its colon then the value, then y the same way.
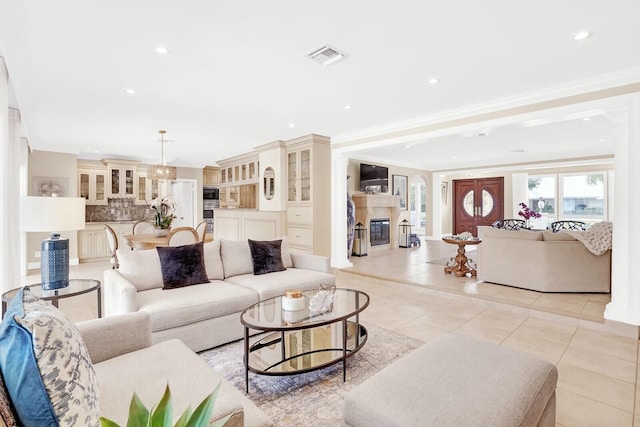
x: 10, y: 175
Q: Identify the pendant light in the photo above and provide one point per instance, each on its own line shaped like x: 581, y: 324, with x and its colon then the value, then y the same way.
x: 162, y: 172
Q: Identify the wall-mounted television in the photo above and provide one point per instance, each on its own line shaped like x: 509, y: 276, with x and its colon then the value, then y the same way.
x: 373, y: 178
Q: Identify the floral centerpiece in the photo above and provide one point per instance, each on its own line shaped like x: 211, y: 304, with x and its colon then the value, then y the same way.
x: 164, y: 213
x: 527, y: 213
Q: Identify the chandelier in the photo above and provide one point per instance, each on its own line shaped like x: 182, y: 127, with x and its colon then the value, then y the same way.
x: 162, y: 172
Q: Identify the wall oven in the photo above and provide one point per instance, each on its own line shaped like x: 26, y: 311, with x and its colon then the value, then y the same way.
x: 210, y: 201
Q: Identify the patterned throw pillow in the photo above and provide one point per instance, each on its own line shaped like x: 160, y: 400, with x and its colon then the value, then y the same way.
x: 46, y: 366
x: 6, y: 412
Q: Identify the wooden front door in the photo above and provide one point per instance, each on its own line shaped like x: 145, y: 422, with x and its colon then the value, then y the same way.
x: 477, y: 202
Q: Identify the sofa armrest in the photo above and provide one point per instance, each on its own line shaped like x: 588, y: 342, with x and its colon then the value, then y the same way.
x: 119, y: 294
x: 113, y: 336
x: 311, y: 262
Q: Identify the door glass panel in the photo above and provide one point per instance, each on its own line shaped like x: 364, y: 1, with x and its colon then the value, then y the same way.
x: 100, y: 187
x: 115, y: 181
x: 467, y: 203
x: 84, y: 185
x: 129, y: 182
x: 487, y: 203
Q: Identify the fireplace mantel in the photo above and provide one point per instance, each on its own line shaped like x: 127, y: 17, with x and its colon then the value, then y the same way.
x: 373, y: 206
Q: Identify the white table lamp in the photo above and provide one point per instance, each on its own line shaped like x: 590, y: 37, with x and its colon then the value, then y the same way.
x: 53, y: 214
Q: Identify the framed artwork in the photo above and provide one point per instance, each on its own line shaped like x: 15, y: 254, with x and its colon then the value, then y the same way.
x: 400, y: 188
x: 49, y: 186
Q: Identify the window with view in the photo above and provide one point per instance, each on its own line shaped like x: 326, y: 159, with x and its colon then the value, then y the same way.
x: 580, y: 197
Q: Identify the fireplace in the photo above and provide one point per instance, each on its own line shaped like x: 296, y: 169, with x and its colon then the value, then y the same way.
x: 379, y: 230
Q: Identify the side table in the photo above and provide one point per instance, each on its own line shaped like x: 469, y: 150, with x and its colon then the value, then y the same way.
x: 76, y: 287
x: 460, y: 264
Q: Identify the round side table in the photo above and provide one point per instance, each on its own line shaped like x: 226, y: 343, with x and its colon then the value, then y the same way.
x: 76, y: 287
x: 460, y: 265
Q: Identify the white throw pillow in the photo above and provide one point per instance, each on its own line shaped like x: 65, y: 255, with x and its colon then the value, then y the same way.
x: 213, y: 261
x: 236, y: 257
x: 141, y: 268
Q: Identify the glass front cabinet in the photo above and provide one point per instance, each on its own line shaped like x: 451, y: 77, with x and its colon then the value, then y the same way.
x: 299, y: 176
x: 122, y: 181
x: 92, y: 186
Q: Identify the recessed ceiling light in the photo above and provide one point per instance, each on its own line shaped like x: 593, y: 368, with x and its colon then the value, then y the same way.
x: 292, y: 125
x: 483, y: 134
x: 581, y: 35
x: 433, y: 81
x: 408, y: 145
x: 162, y: 50
x: 601, y: 140
x: 586, y: 119
x: 453, y: 157
x: 131, y: 91
x: 347, y: 107
x: 96, y: 151
x: 518, y: 150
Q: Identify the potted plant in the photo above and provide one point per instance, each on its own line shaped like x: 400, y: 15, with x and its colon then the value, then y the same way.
x: 162, y: 416
x: 164, y: 214
x: 527, y: 213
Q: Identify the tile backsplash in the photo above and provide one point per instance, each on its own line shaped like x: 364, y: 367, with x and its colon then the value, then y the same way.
x: 118, y: 209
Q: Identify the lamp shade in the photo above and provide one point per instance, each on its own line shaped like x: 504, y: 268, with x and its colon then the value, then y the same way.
x: 50, y: 214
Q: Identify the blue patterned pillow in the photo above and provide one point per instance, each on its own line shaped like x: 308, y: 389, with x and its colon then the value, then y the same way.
x: 46, y: 366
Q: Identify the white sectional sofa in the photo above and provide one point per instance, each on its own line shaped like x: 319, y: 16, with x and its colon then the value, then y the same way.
x: 208, y: 314
x: 541, y: 261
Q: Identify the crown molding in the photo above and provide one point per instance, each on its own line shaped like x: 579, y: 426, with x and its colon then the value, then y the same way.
x: 626, y: 81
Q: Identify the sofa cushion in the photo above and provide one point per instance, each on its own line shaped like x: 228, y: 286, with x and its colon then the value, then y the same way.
x: 212, y: 260
x: 46, y: 365
x: 141, y: 268
x: 182, y: 265
x: 236, y: 257
x: 274, y: 284
x: 148, y: 371
x: 509, y: 234
x: 266, y: 256
x: 182, y: 306
x: 564, y: 237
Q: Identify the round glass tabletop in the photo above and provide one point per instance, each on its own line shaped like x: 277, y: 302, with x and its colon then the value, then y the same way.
x: 268, y: 315
x: 76, y: 287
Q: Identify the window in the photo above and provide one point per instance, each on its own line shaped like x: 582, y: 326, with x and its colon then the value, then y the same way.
x: 581, y: 196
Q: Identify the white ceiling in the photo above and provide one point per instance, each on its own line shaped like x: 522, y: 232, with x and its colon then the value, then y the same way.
x: 236, y: 75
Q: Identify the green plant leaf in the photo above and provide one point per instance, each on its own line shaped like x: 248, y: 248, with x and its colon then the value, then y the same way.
x: 104, y: 422
x: 161, y: 415
x: 202, y: 415
x: 184, y: 418
x: 138, y: 413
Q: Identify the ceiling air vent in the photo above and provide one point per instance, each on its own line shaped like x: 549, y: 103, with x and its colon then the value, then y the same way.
x: 325, y: 55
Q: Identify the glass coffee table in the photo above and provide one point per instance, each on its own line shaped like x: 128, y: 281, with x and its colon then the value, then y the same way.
x: 301, y: 341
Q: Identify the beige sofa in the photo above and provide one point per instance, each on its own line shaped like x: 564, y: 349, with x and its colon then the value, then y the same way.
x: 541, y: 261
x: 125, y: 361
x: 206, y: 315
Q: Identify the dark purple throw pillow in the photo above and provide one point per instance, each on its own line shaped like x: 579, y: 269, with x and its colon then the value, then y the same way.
x: 182, y: 265
x: 266, y: 256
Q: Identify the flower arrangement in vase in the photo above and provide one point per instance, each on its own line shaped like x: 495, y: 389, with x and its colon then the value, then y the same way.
x: 527, y: 213
x: 164, y: 214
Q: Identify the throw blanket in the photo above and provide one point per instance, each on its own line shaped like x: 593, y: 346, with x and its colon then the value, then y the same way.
x: 597, y: 238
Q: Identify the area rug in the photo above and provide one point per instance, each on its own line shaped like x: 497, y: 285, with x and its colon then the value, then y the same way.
x: 314, y: 398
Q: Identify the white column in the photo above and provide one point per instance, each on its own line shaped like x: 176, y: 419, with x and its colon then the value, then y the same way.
x: 625, y: 285
x: 339, y: 164
x: 9, y: 187
x: 519, y: 192
x: 436, y: 206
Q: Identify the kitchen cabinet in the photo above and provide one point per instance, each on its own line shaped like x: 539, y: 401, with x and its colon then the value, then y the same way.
x: 309, y: 194
x: 92, y: 241
x: 122, y: 180
x: 210, y: 176
x: 146, y: 189
x: 92, y: 186
x: 239, y: 181
x: 299, y: 175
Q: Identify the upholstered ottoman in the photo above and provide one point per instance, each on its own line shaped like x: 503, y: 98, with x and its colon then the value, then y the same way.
x: 457, y: 381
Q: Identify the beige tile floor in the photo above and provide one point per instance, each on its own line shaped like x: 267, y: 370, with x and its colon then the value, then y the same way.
x: 598, y: 371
